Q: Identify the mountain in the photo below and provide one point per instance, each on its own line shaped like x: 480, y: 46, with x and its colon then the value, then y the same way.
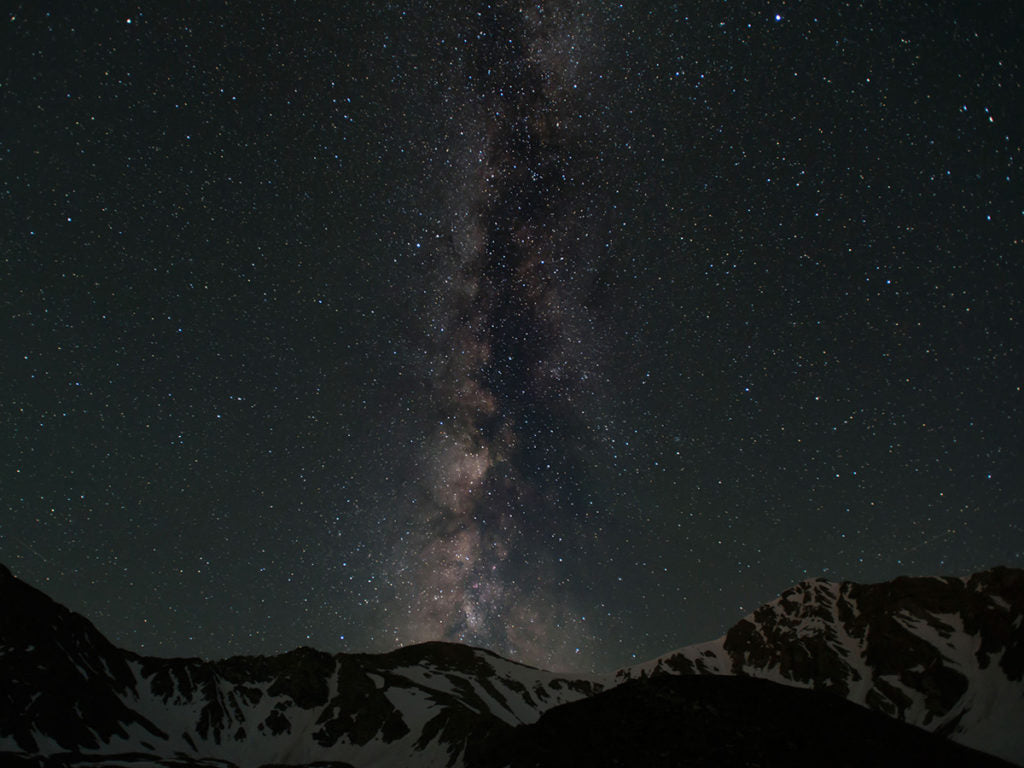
x: 65, y: 690
x: 942, y: 654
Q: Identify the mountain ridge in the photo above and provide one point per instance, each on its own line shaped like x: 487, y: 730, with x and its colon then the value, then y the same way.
x: 943, y: 654
x: 67, y: 689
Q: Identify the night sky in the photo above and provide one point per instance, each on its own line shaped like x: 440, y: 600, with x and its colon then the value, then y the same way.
x: 575, y: 331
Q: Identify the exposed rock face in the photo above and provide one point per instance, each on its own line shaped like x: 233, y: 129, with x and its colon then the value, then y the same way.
x: 944, y: 654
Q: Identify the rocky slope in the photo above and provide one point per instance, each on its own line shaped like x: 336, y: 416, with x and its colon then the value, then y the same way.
x: 945, y: 654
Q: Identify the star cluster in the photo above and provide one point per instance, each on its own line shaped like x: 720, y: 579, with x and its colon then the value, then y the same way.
x: 571, y: 330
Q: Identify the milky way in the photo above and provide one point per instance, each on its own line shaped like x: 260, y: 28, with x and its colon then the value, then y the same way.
x: 512, y: 346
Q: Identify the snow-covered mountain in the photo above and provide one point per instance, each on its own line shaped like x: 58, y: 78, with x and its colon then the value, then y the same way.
x: 65, y: 690
x: 944, y: 654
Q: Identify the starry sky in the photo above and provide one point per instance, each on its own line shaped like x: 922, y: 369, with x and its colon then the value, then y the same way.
x: 574, y: 330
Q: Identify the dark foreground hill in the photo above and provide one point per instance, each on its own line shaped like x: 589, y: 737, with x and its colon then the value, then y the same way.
x: 720, y: 722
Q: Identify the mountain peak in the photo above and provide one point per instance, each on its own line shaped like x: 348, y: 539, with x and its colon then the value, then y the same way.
x: 943, y: 653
